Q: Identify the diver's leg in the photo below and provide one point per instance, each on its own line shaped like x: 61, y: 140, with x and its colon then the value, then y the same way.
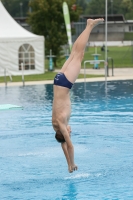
x: 72, y: 66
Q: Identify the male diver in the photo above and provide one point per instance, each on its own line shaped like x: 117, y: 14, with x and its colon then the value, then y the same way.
x: 63, y: 82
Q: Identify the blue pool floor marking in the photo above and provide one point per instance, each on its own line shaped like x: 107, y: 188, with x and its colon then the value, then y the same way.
x: 9, y: 107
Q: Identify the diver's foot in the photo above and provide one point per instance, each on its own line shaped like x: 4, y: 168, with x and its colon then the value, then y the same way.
x: 94, y: 22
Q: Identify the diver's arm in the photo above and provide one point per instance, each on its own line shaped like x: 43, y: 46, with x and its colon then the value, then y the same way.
x: 70, y: 148
x: 64, y: 147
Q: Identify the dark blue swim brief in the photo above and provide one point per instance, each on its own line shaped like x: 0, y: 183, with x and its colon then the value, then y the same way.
x: 61, y: 80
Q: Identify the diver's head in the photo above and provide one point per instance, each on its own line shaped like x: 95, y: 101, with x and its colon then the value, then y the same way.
x: 59, y: 137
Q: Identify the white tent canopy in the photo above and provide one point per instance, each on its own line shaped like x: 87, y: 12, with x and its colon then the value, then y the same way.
x: 19, y: 47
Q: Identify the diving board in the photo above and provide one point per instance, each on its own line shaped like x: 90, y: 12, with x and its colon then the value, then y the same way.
x: 9, y: 107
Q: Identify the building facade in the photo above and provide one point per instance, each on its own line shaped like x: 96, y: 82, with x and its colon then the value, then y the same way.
x: 118, y: 29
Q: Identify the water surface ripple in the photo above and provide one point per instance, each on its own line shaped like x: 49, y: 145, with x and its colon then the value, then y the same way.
x: 32, y: 164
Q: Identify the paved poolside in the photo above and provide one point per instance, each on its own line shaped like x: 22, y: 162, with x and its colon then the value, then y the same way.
x: 119, y: 74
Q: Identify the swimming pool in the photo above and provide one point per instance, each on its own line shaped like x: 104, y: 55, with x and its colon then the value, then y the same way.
x: 32, y: 164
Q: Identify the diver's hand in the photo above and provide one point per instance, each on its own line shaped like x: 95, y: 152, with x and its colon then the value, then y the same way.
x: 72, y: 168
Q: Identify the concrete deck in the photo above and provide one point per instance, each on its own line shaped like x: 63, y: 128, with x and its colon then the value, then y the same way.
x: 119, y: 74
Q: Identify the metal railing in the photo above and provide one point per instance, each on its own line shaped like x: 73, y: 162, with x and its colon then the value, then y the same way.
x: 22, y: 67
x: 112, y: 66
x: 94, y: 62
x: 5, y: 75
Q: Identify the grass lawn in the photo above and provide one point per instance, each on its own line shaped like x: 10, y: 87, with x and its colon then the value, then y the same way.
x: 122, y: 56
x: 40, y: 77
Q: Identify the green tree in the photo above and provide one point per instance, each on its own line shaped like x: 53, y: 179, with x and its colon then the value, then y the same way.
x: 82, y: 4
x: 47, y: 19
x: 127, y: 6
x: 16, y: 8
x: 97, y: 7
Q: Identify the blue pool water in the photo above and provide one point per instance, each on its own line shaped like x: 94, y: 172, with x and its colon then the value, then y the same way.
x: 32, y: 164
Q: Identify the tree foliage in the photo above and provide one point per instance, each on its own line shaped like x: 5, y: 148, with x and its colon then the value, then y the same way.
x: 97, y: 7
x: 47, y: 19
x: 16, y: 8
x: 83, y: 4
x: 94, y: 7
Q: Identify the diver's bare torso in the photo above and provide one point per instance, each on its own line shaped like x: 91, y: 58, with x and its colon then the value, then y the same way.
x: 61, y: 106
